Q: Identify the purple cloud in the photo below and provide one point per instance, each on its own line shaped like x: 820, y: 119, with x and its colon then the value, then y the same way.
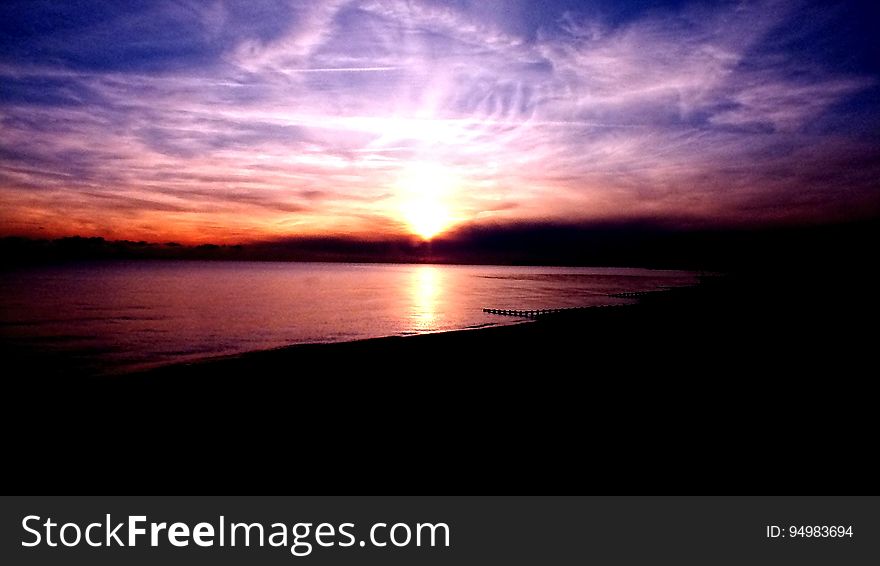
x: 701, y: 112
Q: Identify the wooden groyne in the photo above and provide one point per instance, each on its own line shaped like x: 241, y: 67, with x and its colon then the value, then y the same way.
x: 631, y: 294
x: 535, y: 313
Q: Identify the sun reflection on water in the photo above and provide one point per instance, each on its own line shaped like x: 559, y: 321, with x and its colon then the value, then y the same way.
x: 425, y: 289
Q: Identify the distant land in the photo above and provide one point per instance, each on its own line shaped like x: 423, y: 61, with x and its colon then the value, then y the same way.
x: 610, y: 245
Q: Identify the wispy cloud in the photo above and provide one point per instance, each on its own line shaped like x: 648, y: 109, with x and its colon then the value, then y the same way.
x: 215, y: 121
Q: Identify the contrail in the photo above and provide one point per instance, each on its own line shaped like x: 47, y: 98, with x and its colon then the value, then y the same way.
x: 340, y: 70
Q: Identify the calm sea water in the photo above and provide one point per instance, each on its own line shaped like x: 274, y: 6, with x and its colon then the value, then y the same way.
x: 130, y: 315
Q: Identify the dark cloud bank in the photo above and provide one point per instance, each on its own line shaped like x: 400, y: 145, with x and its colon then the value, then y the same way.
x: 848, y: 245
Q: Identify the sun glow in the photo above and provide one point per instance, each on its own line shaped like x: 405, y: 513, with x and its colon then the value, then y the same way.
x: 427, y: 191
x: 426, y: 218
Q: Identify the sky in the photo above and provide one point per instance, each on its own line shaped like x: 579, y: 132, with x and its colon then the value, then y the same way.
x: 241, y: 121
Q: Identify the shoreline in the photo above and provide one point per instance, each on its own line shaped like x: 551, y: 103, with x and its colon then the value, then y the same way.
x: 569, y: 315
x: 63, y: 338
x: 489, y: 343
x: 294, y: 349
x: 218, y: 358
x: 729, y: 327
x: 726, y: 327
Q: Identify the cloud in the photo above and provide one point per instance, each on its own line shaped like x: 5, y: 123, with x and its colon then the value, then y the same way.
x: 262, y: 118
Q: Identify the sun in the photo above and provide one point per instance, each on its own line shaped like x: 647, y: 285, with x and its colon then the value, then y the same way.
x: 426, y: 193
x: 425, y: 218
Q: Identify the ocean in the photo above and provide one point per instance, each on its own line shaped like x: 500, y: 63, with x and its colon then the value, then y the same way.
x: 115, y: 317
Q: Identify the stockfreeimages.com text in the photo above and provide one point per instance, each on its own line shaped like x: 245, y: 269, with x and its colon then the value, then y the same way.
x: 300, y: 538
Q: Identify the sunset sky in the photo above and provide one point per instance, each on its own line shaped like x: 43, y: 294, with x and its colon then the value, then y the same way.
x: 237, y: 121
